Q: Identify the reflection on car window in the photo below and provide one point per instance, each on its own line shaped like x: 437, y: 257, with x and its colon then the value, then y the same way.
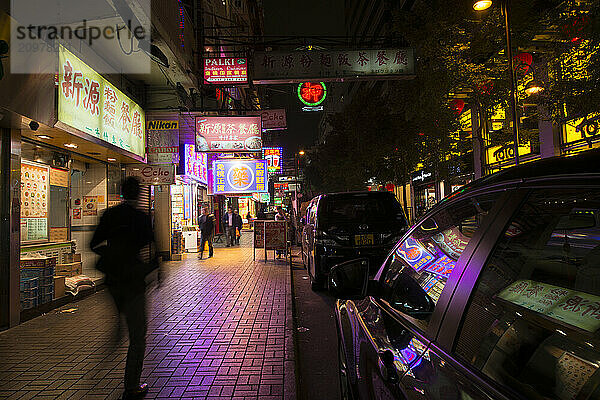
x: 420, y: 266
x: 533, y: 320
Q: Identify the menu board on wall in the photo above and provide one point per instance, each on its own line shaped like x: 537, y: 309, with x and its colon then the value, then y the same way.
x: 34, y: 201
x: 90, y: 206
x: 59, y: 177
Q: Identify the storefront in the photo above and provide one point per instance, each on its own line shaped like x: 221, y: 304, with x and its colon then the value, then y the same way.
x: 188, y: 195
x: 69, y: 174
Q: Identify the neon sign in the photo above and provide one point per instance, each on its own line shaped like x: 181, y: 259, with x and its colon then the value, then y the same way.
x: 311, y: 93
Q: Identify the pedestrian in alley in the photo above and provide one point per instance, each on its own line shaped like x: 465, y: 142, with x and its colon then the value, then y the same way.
x: 207, y: 229
x: 229, y: 224
x: 122, y: 232
x: 239, y: 223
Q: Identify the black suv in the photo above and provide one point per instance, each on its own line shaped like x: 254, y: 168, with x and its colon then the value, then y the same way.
x: 494, y: 294
x: 342, y: 226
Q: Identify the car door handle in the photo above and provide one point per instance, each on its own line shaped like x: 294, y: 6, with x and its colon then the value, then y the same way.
x: 386, y: 366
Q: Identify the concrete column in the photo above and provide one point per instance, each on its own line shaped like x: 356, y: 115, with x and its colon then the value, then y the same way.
x: 162, y: 220
x: 549, y: 134
x: 10, y: 226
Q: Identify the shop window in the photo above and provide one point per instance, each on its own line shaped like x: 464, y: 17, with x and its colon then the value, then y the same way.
x: 419, y: 268
x: 533, y: 318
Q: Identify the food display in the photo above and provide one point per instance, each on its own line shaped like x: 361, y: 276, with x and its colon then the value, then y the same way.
x: 34, y: 201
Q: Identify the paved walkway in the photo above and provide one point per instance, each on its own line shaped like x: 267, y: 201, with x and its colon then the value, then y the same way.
x: 218, y: 329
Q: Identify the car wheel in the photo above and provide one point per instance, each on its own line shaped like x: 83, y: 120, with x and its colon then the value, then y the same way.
x: 345, y: 388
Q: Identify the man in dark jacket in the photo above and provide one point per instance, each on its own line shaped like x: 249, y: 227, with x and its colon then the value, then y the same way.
x: 229, y: 225
x: 207, y: 228
x: 122, y: 232
x: 239, y: 223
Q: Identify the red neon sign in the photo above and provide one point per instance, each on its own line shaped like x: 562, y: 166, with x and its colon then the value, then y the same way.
x: 312, y: 93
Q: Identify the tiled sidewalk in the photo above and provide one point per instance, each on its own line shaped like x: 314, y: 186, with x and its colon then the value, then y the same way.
x: 218, y: 329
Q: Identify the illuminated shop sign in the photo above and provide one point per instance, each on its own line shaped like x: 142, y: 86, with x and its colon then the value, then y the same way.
x: 498, y: 154
x: 297, y: 66
x: 586, y: 130
x: 225, y: 70
x: 92, y: 105
x: 422, y: 176
x: 195, y: 164
x: 224, y: 134
x: 239, y: 176
x: 274, y: 119
x: 273, y: 155
x: 312, y: 93
x: 163, y: 139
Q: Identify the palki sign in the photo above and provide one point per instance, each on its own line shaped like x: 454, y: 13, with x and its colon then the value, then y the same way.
x: 225, y: 70
x: 150, y: 174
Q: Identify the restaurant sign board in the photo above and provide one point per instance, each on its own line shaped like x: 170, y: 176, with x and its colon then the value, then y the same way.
x: 95, y: 107
x: 225, y: 70
x: 226, y: 134
x: 299, y: 66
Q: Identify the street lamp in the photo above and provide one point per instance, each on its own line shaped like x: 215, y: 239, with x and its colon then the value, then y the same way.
x: 481, y: 5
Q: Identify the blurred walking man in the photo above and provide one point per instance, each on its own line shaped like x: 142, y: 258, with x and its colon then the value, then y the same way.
x: 207, y: 228
x: 122, y: 232
x: 229, y: 223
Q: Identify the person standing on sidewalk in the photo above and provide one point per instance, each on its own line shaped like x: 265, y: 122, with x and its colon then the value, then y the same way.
x: 280, y: 216
x: 238, y: 226
x: 122, y: 232
x: 229, y: 224
x: 207, y: 228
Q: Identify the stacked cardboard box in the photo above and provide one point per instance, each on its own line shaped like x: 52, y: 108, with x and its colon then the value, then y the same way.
x: 70, y: 266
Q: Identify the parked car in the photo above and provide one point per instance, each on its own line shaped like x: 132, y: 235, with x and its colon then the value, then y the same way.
x: 493, y: 294
x: 342, y: 226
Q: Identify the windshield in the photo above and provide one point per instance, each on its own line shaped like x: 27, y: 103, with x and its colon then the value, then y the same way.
x: 360, y: 209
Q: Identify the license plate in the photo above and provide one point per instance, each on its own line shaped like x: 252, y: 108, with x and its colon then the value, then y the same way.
x: 364, y: 240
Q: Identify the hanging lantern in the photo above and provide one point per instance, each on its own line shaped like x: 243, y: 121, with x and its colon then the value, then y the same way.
x: 390, y: 187
x: 523, y: 62
x: 457, y: 105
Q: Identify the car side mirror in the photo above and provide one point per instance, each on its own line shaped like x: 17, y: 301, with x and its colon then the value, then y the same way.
x: 350, y: 280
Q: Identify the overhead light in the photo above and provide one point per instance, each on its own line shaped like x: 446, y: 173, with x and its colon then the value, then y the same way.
x: 71, y: 145
x: 533, y: 88
x: 482, y: 5
x: 111, y: 159
x: 44, y: 137
x: 301, y: 152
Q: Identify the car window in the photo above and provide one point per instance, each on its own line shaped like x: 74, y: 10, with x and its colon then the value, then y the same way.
x: 360, y: 208
x: 533, y: 320
x: 419, y: 267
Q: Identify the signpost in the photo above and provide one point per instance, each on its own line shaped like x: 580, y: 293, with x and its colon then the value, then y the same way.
x: 270, y: 235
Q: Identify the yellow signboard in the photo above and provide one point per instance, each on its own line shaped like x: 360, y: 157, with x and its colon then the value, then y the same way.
x: 89, y: 103
x: 578, y: 129
x: 503, y: 153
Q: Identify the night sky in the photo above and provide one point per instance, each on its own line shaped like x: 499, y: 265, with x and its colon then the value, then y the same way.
x: 300, y: 18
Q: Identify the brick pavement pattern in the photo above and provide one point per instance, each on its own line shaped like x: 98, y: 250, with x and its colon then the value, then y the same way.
x: 220, y: 328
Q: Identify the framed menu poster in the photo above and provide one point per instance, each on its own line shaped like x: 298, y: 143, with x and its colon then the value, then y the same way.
x: 35, y: 182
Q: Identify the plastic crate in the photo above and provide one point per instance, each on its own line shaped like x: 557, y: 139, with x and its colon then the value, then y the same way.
x: 47, y: 298
x: 30, y: 293
x: 46, y: 290
x: 28, y: 283
x: 28, y: 303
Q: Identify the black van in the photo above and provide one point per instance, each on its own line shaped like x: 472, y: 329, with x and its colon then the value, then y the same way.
x: 342, y: 226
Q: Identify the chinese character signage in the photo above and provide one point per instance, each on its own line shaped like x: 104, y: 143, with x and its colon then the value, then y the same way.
x: 89, y: 103
x: 225, y: 70
x: 163, y: 140
x: 572, y: 307
x: 273, y: 155
x: 195, y: 164
x: 239, y: 176
x: 274, y: 119
x: 223, y: 134
x: 312, y: 93
x: 298, y: 66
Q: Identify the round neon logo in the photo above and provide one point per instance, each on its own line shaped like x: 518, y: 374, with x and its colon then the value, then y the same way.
x: 240, y: 177
x: 312, y: 93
